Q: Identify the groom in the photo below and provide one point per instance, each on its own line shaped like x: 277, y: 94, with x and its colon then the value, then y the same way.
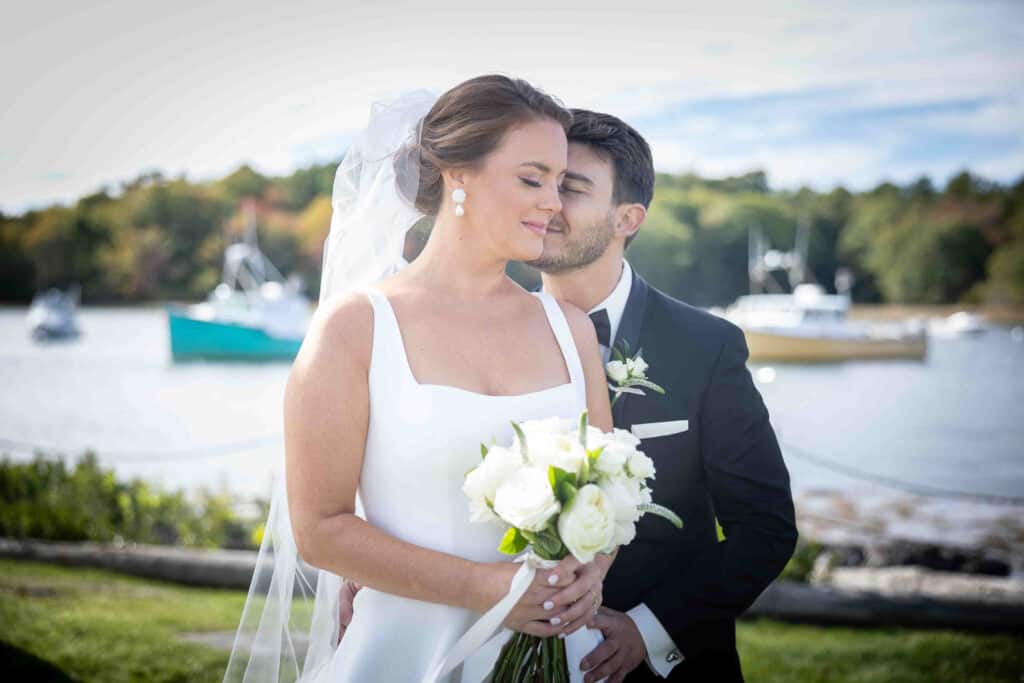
x: 672, y: 596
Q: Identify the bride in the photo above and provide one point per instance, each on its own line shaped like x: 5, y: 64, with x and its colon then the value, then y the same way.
x: 399, y: 380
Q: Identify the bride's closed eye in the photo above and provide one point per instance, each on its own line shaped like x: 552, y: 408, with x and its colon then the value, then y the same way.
x: 531, y: 183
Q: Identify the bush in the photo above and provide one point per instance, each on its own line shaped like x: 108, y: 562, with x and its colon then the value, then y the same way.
x: 46, y: 500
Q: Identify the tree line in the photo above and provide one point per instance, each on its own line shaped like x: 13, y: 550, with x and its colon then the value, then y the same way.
x: 157, y: 238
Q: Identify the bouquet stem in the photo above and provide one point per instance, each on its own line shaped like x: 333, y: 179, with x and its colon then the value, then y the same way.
x: 529, y: 659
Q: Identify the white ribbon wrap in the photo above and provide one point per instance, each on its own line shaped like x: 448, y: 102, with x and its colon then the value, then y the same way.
x: 478, y: 651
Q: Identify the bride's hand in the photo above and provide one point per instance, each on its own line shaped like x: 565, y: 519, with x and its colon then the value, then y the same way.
x: 529, y: 615
x: 577, y: 603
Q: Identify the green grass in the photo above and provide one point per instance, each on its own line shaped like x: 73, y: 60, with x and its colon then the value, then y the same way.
x: 100, y: 626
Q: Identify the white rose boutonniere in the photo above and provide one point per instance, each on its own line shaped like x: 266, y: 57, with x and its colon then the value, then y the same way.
x: 627, y: 373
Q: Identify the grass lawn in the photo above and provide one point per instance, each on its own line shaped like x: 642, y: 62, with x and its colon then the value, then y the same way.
x: 98, y: 626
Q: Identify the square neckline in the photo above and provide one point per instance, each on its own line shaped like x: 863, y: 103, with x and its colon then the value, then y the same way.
x: 451, y: 387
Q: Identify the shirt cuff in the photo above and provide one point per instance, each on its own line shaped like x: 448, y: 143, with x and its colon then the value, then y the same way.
x: 662, y: 653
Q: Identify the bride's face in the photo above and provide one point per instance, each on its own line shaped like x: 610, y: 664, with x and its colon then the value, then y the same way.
x: 513, y: 195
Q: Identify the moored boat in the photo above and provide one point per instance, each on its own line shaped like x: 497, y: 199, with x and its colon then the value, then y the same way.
x: 253, y: 314
x: 812, y: 326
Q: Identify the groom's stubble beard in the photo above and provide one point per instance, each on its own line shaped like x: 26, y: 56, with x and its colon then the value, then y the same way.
x: 588, y: 245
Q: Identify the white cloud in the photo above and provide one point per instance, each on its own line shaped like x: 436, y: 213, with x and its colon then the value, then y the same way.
x: 107, y: 90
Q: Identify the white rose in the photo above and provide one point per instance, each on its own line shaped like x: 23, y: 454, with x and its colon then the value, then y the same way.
x: 624, y: 496
x: 596, y: 438
x: 482, y: 482
x: 561, y: 450
x: 587, y: 525
x: 640, y: 466
x: 636, y: 366
x: 538, y: 430
x: 617, y: 371
x: 612, y: 459
x: 625, y: 437
x: 525, y: 500
x: 625, y: 532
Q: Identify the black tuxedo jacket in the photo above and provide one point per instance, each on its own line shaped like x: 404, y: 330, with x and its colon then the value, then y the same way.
x: 726, y: 464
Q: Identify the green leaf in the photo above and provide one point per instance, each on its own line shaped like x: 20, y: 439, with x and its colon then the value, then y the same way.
x: 566, y: 493
x: 483, y: 451
x: 513, y: 542
x: 548, y: 545
x: 557, y: 476
x: 661, y: 511
x: 647, y: 384
x: 522, y: 440
x: 584, y: 421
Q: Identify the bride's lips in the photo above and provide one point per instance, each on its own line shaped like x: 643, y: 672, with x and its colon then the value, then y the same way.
x: 537, y: 228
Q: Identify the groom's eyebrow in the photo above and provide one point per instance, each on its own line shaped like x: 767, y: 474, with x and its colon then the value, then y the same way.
x: 569, y: 175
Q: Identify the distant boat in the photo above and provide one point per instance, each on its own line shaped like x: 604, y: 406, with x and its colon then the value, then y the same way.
x: 958, y: 324
x: 812, y: 326
x: 253, y: 314
x: 809, y: 325
x: 53, y: 315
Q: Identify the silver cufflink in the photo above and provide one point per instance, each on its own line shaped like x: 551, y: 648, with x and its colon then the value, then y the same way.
x: 673, y: 656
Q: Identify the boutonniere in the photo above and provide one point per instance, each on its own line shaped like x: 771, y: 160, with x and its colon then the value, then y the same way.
x: 627, y: 373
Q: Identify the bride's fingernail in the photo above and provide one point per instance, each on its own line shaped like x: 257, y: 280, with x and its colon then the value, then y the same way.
x: 549, y: 605
x: 555, y: 621
x: 553, y: 579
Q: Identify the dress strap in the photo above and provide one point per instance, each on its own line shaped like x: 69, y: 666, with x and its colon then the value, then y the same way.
x: 560, y: 326
x: 388, y: 353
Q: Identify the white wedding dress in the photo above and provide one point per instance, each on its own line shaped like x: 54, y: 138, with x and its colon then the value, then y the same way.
x: 422, y: 439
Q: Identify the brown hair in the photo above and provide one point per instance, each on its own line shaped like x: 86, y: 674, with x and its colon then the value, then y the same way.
x: 466, y: 124
x: 630, y: 155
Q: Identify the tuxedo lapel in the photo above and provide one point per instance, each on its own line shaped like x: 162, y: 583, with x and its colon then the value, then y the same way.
x: 629, y: 335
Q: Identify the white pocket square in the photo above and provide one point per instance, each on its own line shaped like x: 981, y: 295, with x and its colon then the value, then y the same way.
x: 649, y: 430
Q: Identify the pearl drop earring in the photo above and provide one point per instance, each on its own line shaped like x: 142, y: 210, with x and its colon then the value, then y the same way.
x: 459, y: 196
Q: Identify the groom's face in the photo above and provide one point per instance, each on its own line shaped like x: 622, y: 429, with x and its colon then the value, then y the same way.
x: 582, y: 231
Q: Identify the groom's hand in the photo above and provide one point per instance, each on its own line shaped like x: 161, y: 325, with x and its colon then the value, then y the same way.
x: 622, y: 651
x: 347, y: 595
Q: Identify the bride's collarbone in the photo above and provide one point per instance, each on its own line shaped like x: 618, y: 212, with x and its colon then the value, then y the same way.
x: 493, y: 360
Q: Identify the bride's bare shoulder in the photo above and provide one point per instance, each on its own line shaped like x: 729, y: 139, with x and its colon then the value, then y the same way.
x: 339, y: 338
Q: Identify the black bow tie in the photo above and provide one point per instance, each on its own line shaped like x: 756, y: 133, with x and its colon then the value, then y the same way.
x: 603, y: 326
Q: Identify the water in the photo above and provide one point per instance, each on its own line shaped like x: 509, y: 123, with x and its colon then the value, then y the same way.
x: 954, y: 421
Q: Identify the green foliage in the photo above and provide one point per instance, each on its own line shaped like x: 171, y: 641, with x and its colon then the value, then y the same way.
x: 45, y: 499
x: 802, y: 562
x: 162, y: 238
x: 513, y: 542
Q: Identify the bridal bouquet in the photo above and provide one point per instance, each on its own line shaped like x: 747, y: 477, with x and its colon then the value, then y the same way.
x: 561, y: 487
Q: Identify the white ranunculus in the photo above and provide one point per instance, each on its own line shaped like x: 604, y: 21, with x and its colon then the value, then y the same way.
x: 482, y: 482
x: 640, y: 466
x: 636, y: 366
x: 536, y: 431
x: 624, y: 495
x: 587, y: 525
x: 563, y: 450
x: 525, y: 500
x: 617, y: 371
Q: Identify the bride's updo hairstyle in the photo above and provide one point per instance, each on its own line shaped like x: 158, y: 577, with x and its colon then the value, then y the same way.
x: 465, y: 125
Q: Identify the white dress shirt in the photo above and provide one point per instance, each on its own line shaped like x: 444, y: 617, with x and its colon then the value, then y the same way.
x: 662, y: 653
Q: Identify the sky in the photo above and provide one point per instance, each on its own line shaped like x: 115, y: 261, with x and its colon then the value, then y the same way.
x: 813, y: 93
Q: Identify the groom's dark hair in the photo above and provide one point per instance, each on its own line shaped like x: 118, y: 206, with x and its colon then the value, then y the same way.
x: 618, y: 142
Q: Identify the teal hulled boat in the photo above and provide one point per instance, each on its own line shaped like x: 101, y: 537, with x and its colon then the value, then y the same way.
x: 192, y: 337
x: 253, y: 314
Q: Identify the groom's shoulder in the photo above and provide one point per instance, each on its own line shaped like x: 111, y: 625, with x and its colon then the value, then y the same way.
x: 696, y: 323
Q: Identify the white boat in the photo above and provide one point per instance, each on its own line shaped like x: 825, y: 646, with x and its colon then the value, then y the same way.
x: 958, y: 324
x: 53, y: 315
x: 253, y: 314
x: 810, y: 325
